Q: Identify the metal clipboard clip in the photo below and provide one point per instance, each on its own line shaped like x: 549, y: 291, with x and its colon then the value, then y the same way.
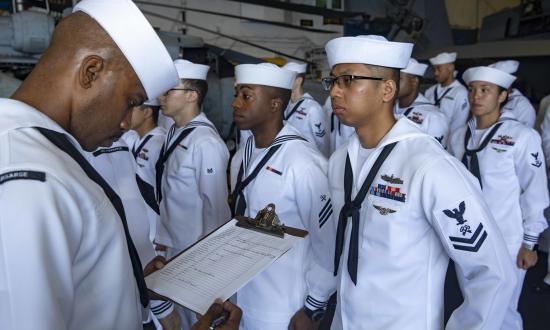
x: 266, y: 221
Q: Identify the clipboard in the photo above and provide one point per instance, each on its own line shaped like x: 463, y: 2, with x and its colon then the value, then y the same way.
x: 267, y: 222
x: 225, y: 260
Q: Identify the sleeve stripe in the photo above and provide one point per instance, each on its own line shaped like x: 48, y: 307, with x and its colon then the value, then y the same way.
x: 316, y: 303
x: 325, y: 219
x: 327, y: 204
x: 161, y: 308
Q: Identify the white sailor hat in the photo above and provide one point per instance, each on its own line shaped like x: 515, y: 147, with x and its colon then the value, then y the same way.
x: 190, y: 70
x: 370, y: 49
x: 415, y: 68
x: 488, y: 74
x: 266, y: 74
x: 132, y: 33
x: 296, y: 67
x: 152, y: 103
x: 509, y: 66
x: 443, y: 58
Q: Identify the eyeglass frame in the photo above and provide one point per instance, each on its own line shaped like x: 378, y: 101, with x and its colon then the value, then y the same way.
x: 352, y: 78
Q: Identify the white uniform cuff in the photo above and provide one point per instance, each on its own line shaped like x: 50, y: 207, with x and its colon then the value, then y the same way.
x: 530, y: 240
x: 161, y: 309
x: 314, y: 304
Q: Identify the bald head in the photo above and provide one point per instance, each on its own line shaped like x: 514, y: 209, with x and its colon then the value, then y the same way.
x: 84, y: 83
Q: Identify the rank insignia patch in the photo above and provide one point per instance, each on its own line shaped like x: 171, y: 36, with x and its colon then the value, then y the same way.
x: 417, y: 118
x: 389, y: 192
x: 383, y: 210
x: 320, y: 132
x: 499, y: 150
x: 464, y: 243
x: 391, y: 179
x: 537, y: 161
x: 457, y: 214
x: 301, y: 112
x: 504, y: 140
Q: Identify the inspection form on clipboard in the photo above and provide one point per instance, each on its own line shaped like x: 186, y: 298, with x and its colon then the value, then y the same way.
x: 218, y: 265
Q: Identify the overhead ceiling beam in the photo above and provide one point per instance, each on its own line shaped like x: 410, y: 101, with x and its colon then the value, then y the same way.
x: 225, y: 36
x: 306, y: 9
x: 256, y: 20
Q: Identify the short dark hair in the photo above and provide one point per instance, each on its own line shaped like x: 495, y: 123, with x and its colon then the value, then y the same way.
x: 500, y: 90
x: 199, y: 86
x: 388, y: 74
x: 281, y: 93
x: 155, y: 113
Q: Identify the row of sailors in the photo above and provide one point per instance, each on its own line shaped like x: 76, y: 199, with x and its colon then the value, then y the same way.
x: 193, y: 182
x: 384, y: 214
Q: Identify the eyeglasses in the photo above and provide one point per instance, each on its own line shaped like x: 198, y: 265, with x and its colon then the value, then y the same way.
x: 179, y: 89
x: 344, y: 81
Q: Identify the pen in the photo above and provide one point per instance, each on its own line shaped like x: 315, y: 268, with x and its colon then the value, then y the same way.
x: 218, y: 320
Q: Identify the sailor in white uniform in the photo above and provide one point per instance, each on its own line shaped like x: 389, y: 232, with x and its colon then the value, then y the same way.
x: 516, y: 103
x: 145, y: 149
x: 405, y: 207
x: 63, y: 229
x: 191, y: 170
x: 304, y: 113
x: 449, y: 95
x: 506, y: 157
x: 277, y: 165
x: 339, y: 133
x: 413, y: 105
x: 544, y: 243
x: 117, y: 166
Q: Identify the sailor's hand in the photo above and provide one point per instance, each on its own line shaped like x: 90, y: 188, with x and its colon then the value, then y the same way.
x: 217, y: 309
x: 526, y: 258
x: 172, y: 321
x: 300, y: 321
x: 157, y: 263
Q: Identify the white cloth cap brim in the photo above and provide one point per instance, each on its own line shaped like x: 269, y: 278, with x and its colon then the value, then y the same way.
x: 509, y: 66
x: 140, y: 44
x: 415, y: 68
x: 491, y: 75
x: 296, y: 67
x: 443, y: 58
x: 190, y: 70
x: 265, y: 75
x: 364, y: 50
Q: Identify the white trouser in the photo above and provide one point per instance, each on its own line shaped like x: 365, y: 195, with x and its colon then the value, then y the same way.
x: 544, y: 245
x: 513, y: 320
x: 248, y: 323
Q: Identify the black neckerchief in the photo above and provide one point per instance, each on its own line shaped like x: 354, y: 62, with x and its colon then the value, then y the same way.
x: 474, y: 162
x: 238, y: 201
x: 63, y: 143
x: 294, y: 109
x: 136, y: 151
x: 351, y: 209
x: 437, y: 101
x: 164, y: 155
x: 406, y: 113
